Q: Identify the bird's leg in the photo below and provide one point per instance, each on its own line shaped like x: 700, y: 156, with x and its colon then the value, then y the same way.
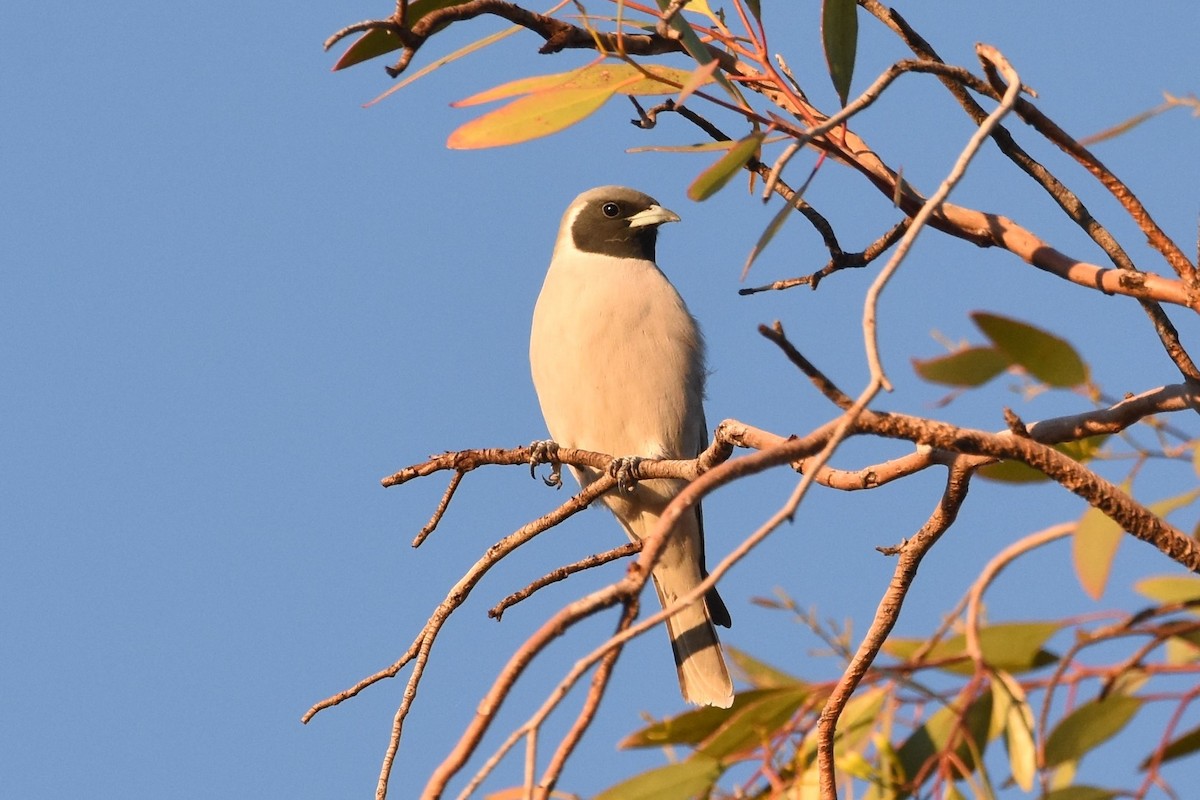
x: 545, y: 451
x: 626, y: 470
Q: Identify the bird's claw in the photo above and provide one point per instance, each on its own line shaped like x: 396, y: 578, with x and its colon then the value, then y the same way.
x: 625, y: 470
x: 545, y: 451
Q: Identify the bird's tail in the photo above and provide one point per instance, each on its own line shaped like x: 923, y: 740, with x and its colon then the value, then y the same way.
x: 703, y: 676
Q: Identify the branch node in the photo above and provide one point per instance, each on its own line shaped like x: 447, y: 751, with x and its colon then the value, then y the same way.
x: 1015, y: 424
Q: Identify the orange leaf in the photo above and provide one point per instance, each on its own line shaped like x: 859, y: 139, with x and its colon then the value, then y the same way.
x: 625, y: 77
x: 530, y: 117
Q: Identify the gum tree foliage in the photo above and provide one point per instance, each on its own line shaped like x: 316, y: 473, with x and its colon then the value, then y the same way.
x: 977, y: 706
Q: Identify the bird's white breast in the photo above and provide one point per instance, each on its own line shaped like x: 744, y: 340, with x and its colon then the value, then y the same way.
x: 617, y: 360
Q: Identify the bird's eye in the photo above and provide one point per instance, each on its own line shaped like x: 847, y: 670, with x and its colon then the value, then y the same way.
x: 610, y: 210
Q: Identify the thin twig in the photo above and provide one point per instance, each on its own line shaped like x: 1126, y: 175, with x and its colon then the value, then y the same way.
x: 886, y: 616
x: 930, y: 207
x: 497, y: 611
x: 440, y: 511
x: 992, y: 570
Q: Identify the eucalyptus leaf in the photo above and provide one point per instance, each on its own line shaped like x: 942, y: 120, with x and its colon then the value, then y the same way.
x: 973, y: 366
x: 1183, y: 745
x: 1088, y: 727
x: 530, y: 117
x: 1093, y: 548
x: 839, y: 35
x: 1043, y: 355
x: 683, y: 781
x: 711, y: 180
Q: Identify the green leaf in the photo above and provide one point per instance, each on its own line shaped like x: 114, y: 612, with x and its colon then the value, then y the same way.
x: 839, y: 34
x: 768, y: 234
x: 755, y: 8
x: 859, y: 717
x: 1019, y: 472
x: 1093, y: 548
x: 1043, y: 355
x: 419, y: 9
x: 1089, y: 726
x: 1011, y: 472
x: 1018, y: 726
x: 1180, y: 746
x: 710, y: 181
x: 691, y: 727
x: 973, y: 366
x: 371, y: 44
x: 942, y: 729
x: 758, y: 673
x: 377, y: 41
x: 1182, y: 649
x: 1170, y: 588
x: 753, y: 723
x: 1083, y: 450
x: 530, y: 117
x: 682, y: 781
x: 1081, y: 793
x: 1010, y: 646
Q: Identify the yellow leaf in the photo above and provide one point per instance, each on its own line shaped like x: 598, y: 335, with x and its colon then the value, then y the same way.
x: 1018, y: 729
x: 665, y: 80
x: 1093, y: 547
x: 1170, y: 588
x: 514, y: 793
x: 701, y: 7
x: 530, y: 117
x: 626, y: 78
x: 534, y: 83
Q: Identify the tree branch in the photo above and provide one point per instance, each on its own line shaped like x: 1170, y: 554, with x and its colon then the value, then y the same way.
x: 886, y: 615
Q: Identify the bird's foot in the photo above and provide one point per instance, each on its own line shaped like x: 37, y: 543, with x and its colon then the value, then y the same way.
x: 545, y: 451
x: 626, y: 469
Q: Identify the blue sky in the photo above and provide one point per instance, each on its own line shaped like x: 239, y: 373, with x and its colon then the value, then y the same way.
x: 231, y: 299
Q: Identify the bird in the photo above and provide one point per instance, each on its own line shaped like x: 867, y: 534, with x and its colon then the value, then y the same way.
x: 618, y: 364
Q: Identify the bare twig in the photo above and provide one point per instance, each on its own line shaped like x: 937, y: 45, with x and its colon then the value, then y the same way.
x: 588, y: 711
x: 992, y: 570
x: 440, y: 511
x: 497, y: 611
x: 838, y: 262
x: 886, y: 615
x: 823, y: 384
x: 931, y: 206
